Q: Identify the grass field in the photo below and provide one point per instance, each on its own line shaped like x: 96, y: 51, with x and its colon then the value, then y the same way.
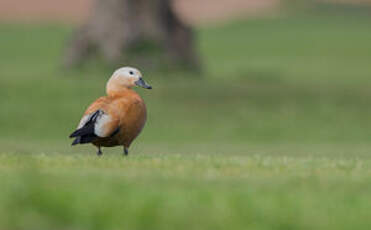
x: 274, y: 135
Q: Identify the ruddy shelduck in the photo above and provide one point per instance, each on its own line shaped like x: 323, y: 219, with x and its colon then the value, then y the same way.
x: 115, y: 119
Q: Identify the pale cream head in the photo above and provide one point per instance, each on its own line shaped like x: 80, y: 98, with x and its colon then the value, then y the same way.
x: 126, y: 78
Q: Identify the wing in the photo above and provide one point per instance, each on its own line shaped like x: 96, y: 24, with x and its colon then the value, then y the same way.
x: 96, y: 123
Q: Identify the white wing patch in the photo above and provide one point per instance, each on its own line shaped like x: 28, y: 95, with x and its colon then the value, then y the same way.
x: 83, y: 121
x: 100, y: 127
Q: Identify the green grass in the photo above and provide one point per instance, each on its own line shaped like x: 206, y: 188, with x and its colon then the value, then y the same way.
x: 274, y: 135
x: 197, y: 191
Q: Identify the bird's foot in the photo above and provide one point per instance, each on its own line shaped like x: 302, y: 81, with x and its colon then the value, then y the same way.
x: 126, y: 151
x: 99, y: 152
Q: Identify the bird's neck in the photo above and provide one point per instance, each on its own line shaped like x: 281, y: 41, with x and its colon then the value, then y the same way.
x: 115, y: 88
x: 120, y: 91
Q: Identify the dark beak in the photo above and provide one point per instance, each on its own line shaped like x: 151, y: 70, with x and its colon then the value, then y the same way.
x: 143, y: 84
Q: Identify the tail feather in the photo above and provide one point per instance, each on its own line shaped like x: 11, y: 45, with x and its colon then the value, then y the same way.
x: 87, y: 129
x: 76, y: 141
x: 86, y: 133
x: 88, y: 138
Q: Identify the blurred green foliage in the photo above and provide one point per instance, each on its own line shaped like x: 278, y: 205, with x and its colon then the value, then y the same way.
x: 274, y: 135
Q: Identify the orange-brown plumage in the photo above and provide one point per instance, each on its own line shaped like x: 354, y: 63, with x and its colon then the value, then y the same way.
x: 129, y: 115
x: 115, y: 119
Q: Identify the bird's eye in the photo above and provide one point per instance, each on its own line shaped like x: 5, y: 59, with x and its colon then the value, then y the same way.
x: 131, y: 73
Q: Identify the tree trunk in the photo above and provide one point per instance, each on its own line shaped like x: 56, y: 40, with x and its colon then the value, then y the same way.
x: 139, y: 32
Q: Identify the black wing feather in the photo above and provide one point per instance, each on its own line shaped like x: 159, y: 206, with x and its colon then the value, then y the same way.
x: 86, y: 133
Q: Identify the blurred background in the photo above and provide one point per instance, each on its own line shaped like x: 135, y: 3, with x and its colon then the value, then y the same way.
x: 251, y: 73
x: 259, y: 114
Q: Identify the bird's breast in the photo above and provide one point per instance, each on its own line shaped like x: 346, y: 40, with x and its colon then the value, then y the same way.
x: 132, y: 120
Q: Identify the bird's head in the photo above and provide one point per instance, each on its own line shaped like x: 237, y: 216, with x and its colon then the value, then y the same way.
x: 126, y: 77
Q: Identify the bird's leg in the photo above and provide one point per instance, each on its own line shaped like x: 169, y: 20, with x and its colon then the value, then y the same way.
x: 126, y: 151
x: 99, y: 152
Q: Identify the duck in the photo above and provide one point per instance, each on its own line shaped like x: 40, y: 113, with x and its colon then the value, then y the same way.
x: 117, y: 118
